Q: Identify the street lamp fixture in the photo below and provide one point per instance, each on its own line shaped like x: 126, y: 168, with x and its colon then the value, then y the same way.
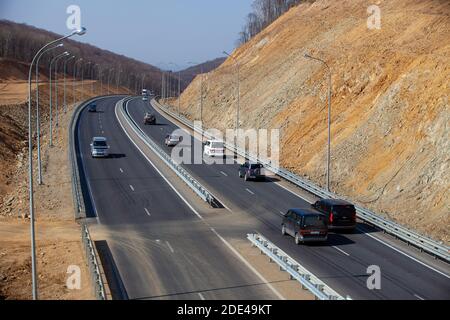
x: 308, y: 56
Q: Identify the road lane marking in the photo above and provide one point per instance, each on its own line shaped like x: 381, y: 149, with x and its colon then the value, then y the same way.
x: 250, y: 191
x: 418, y: 297
x: 121, y: 171
x: 342, y: 251
x: 259, y: 275
x: 131, y: 187
x: 170, y: 247
x: 157, y: 170
x: 201, y: 296
x: 147, y: 212
x: 405, y: 254
x: 224, y: 173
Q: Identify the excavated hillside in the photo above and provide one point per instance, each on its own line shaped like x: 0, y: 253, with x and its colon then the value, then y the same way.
x: 390, y: 102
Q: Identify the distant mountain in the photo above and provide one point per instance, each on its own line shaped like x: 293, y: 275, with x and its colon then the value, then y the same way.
x: 187, y: 75
x: 20, y: 42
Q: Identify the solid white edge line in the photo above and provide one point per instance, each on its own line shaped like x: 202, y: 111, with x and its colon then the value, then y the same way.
x: 157, y: 170
x: 260, y: 276
x: 419, y: 297
x: 379, y: 240
x: 201, y: 218
x: 407, y: 255
x: 225, y: 206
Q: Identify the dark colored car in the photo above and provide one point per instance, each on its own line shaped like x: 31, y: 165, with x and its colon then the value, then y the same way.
x: 305, y: 225
x: 92, y: 107
x: 340, y: 213
x: 149, y: 118
x: 251, y: 171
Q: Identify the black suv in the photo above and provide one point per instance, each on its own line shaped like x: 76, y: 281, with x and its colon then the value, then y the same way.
x: 251, y: 171
x: 305, y: 225
x: 149, y: 118
x: 341, y: 214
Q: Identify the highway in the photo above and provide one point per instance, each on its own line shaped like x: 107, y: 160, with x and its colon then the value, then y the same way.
x: 341, y: 263
x: 155, y: 246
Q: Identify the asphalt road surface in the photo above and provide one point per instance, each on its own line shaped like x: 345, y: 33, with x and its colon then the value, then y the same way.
x: 341, y: 263
x: 156, y: 245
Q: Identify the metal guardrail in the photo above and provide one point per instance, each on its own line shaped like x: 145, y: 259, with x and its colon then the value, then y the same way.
x: 424, y: 243
x: 308, y: 280
x: 99, y: 286
x: 201, y: 191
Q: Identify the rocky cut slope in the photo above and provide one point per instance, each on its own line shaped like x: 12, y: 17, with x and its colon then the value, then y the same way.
x: 390, y: 110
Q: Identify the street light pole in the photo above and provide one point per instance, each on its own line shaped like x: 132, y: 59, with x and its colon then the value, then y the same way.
x: 201, y: 89
x: 74, y: 78
x: 109, y: 77
x: 30, y: 165
x: 65, y: 71
x: 65, y: 54
x: 38, y: 122
x: 238, y: 94
x: 329, y: 117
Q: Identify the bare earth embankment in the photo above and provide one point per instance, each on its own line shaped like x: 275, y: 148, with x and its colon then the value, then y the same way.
x: 390, y: 102
x: 58, y: 235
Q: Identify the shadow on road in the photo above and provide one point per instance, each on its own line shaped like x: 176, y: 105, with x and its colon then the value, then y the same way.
x: 112, y: 274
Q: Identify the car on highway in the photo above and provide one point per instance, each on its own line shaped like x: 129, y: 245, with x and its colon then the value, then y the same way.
x: 149, y: 118
x: 99, y: 147
x: 214, y: 148
x: 144, y: 98
x: 92, y: 107
x: 250, y: 170
x: 341, y: 214
x: 172, y: 140
x: 305, y: 225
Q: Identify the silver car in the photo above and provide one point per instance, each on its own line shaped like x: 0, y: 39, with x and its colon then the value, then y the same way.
x: 172, y: 140
x: 99, y: 147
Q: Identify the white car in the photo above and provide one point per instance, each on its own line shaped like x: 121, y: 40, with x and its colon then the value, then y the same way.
x: 99, y: 148
x: 214, y: 148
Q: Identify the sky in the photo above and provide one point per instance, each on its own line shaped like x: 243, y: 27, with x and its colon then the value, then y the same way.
x: 164, y: 33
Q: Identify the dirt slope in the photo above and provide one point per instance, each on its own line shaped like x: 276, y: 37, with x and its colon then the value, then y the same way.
x: 391, y: 115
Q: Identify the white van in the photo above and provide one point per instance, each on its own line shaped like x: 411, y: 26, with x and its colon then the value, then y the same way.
x: 214, y: 148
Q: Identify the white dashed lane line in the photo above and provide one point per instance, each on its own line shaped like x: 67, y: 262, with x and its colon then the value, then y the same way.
x: 250, y: 191
x: 224, y: 173
x: 201, y: 296
x: 170, y: 247
x: 147, y: 212
x: 121, y: 171
x: 131, y: 187
x: 341, y: 251
x: 418, y: 297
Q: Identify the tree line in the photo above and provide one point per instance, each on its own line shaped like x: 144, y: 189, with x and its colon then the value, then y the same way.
x: 264, y: 13
x: 21, y: 42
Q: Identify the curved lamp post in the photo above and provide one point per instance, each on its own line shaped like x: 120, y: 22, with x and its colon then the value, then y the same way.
x: 65, y: 71
x: 329, y: 116
x: 30, y: 159
x: 74, y: 78
x: 55, y: 59
x: 238, y: 96
x: 38, y: 122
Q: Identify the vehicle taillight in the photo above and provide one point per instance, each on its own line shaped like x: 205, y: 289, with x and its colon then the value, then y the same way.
x: 331, y: 217
x: 354, y: 216
x: 303, y: 232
